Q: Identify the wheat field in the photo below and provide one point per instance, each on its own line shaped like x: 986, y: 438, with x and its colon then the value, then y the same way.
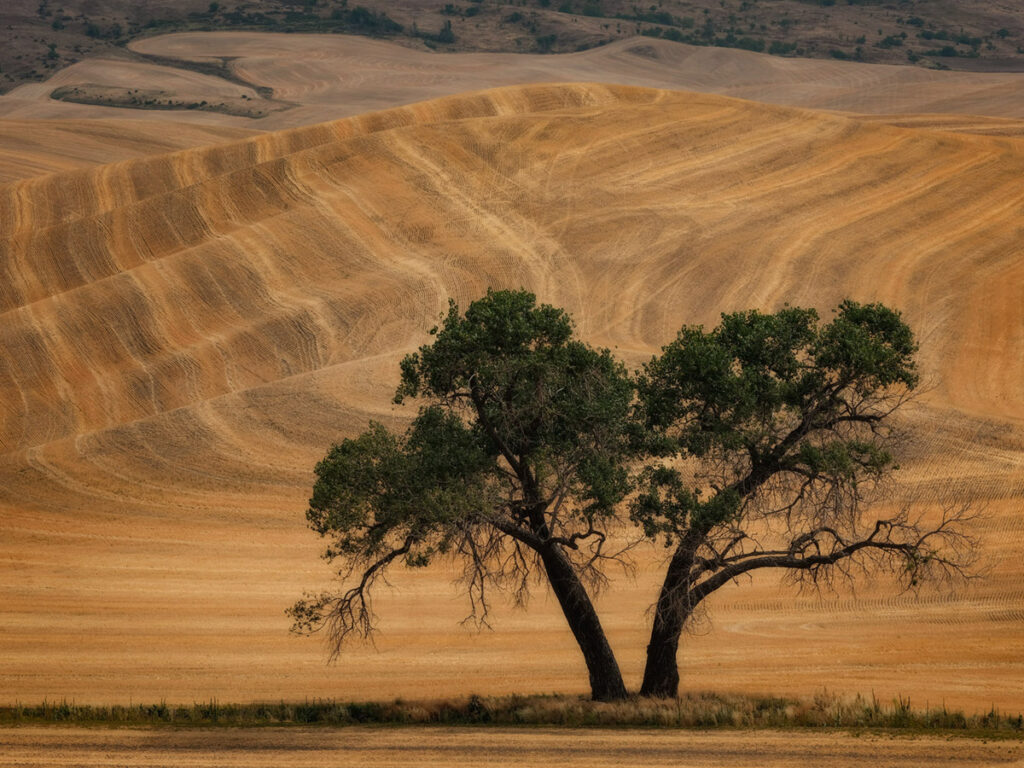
x: 190, y: 317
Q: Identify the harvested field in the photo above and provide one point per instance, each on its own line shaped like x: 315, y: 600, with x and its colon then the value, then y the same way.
x: 185, y: 334
x: 38, y: 147
x: 326, y: 77
x: 358, y: 747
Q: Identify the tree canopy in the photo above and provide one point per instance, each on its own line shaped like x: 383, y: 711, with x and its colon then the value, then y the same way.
x: 774, y: 431
x: 516, y: 463
x: 758, y: 444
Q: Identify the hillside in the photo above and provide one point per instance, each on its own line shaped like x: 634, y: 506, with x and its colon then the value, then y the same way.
x: 37, y: 147
x: 111, y: 109
x: 43, y: 36
x: 185, y: 334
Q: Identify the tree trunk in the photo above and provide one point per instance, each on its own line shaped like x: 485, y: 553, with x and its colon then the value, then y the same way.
x: 661, y: 673
x: 605, y: 678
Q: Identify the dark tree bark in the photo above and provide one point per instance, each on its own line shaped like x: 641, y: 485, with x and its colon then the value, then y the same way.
x: 938, y: 551
x: 661, y: 672
x: 605, y: 678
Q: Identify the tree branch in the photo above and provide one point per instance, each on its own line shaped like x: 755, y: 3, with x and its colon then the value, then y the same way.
x: 348, y: 613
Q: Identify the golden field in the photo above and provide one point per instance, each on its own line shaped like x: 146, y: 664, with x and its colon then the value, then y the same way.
x: 194, y: 305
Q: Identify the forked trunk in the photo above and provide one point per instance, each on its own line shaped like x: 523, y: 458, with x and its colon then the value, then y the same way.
x: 661, y: 673
x: 605, y: 678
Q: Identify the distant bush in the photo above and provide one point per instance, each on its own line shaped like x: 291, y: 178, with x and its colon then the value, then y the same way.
x: 749, y: 44
x: 947, y: 51
x: 654, y: 17
x: 361, y: 19
x: 546, y: 42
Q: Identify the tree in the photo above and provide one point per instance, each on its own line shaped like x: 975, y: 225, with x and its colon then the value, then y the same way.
x: 773, y: 433
x: 516, y: 464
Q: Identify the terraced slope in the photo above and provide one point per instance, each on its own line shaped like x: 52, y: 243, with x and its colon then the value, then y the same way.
x: 184, y: 334
x: 37, y: 147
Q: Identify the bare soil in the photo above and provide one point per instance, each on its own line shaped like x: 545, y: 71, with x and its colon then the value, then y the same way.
x: 358, y: 747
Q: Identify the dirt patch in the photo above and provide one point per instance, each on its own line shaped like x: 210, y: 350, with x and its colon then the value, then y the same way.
x: 358, y: 747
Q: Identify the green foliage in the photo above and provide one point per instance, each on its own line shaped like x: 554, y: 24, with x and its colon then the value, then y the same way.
x: 779, y: 48
x: 376, y: 489
x: 522, y: 438
x: 538, y: 397
x: 767, y: 395
x: 546, y: 42
x: 444, y: 35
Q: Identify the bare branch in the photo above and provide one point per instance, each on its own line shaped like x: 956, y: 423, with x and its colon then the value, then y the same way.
x: 348, y: 613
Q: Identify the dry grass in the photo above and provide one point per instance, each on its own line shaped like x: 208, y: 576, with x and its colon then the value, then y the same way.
x: 694, y: 711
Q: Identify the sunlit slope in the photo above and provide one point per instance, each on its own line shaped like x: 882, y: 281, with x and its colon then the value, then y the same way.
x: 184, y: 334
x: 315, y: 78
x: 37, y: 147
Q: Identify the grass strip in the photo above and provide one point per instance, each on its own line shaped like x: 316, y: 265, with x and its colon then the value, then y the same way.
x: 693, y: 710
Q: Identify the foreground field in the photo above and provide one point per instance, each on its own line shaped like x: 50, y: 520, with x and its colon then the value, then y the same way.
x: 358, y: 747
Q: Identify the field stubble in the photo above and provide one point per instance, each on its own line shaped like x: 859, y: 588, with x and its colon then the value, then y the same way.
x: 231, y: 310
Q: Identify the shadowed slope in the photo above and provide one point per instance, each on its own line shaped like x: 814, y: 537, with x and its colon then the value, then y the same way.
x: 184, y: 335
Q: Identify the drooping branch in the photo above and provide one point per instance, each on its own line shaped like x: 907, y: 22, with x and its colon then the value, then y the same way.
x: 912, y: 550
x: 774, y: 434
x: 348, y: 613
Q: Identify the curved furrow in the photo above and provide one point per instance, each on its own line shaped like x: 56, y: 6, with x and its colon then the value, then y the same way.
x: 185, y: 334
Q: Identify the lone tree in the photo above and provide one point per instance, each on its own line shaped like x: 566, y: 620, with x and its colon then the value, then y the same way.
x: 516, y: 464
x: 773, y: 432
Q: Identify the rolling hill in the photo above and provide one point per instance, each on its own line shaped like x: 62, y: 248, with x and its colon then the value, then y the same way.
x: 185, y: 333
x: 224, y: 78
x: 42, y: 37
